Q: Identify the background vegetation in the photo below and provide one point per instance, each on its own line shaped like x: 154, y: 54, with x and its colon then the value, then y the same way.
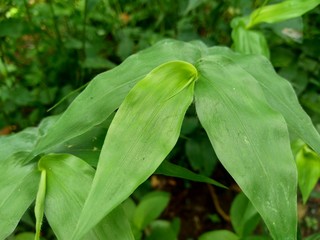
x: 50, y: 49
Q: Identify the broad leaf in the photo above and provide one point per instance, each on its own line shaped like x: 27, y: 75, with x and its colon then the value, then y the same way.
x: 142, y: 133
x: 88, y: 145
x: 22, y: 141
x: 160, y: 230
x: 250, y: 139
x: 149, y: 208
x: 107, y: 91
x: 281, y: 11
x: 173, y: 170
x: 279, y: 94
x: 25, y: 140
x: 244, y: 217
x: 18, y: 189
x: 248, y: 41
x: 201, y: 155
x: 68, y: 180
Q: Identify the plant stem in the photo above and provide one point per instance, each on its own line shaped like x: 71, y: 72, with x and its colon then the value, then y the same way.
x: 33, y: 28
x: 83, y: 53
x: 6, y: 72
x: 84, y: 29
x: 55, y: 24
x: 217, y: 204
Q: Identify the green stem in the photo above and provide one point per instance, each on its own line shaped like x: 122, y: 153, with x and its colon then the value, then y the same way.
x: 83, y: 53
x: 6, y: 72
x: 55, y: 24
x: 84, y: 29
x: 33, y: 28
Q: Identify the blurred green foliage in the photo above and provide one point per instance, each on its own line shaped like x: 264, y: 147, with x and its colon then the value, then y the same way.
x: 49, y: 48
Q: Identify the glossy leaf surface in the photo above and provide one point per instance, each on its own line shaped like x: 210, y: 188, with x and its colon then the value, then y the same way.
x: 135, y: 146
x: 107, y: 91
x: 250, y: 139
x: 68, y: 183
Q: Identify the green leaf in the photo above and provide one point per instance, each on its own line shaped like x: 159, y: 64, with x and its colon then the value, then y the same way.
x: 169, y: 169
x: 308, y: 164
x: 24, y: 236
x: 160, y: 230
x: 107, y: 90
x: 291, y: 29
x: 90, y: 5
x: 281, y: 11
x: 189, y: 125
x: 192, y: 4
x: 142, y: 133
x: 88, y: 145
x: 149, y: 208
x: 244, y: 217
x: 314, y: 237
x: 256, y: 238
x: 279, y: 94
x: 219, y: 234
x: 250, y: 139
x: 25, y: 140
x: 201, y: 155
x: 248, y: 41
x: 129, y: 207
x: 18, y: 188
x: 68, y: 183
x: 13, y: 27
